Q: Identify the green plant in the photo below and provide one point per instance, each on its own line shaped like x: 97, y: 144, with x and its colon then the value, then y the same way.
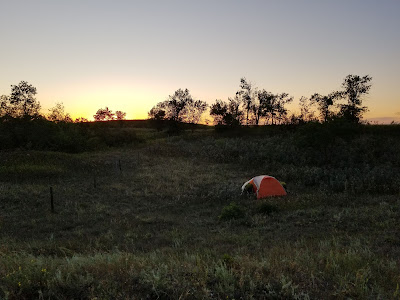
x: 266, y: 208
x: 231, y: 211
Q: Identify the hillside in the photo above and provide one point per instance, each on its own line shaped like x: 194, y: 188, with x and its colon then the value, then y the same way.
x: 161, y: 216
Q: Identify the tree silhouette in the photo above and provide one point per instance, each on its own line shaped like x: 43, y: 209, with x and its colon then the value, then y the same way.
x: 157, y: 113
x: 260, y: 104
x: 5, y: 107
x: 325, y: 103
x: 120, y: 115
x: 218, y: 111
x: 247, y: 94
x: 23, y: 102
x: 280, y: 111
x: 263, y: 105
x: 355, y: 87
x: 194, y: 110
x: 179, y: 107
x: 104, y: 114
x: 57, y: 114
x: 81, y: 120
x: 176, y: 104
x: 173, y: 107
x: 227, y: 113
x: 271, y: 106
x: 306, y: 110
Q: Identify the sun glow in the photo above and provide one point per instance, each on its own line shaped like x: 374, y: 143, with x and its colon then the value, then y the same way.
x: 84, y: 99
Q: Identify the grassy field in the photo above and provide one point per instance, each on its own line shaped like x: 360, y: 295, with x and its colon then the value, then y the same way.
x: 163, y: 218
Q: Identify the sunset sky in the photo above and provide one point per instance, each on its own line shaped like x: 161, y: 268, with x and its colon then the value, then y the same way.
x: 129, y: 55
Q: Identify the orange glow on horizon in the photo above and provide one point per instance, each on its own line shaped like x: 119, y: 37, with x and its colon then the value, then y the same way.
x: 83, y: 99
x: 88, y: 113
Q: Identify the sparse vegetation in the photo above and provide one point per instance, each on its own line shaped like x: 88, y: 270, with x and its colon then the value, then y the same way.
x: 266, y: 208
x: 143, y: 219
x: 231, y: 212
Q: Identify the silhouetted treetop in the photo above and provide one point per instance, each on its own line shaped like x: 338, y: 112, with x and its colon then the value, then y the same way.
x: 227, y: 113
x: 157, y: 112
x: 57, y: 114
x: 325, y: 103
x: 104, y: 114
x: 81, y: 120
x: 179, y: 107
x: 22, y: 102
x: 120, y: 115
x: 4, y: 106
x: 354, y: 88
x: 247, y: 94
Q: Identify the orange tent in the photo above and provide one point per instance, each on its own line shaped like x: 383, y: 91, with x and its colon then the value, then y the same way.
x: 265, y: 186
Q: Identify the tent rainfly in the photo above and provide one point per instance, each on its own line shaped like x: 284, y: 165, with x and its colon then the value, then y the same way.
x: 264, y: 186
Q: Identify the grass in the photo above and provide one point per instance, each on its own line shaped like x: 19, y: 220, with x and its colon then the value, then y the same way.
x: 144, y: 221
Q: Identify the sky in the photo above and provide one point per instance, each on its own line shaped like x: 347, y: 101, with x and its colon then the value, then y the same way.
x: 130, y: 55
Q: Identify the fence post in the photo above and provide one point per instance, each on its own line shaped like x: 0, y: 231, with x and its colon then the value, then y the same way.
x: 120, y: 167
x: 51, y: 199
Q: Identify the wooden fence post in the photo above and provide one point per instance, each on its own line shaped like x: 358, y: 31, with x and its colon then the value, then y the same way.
x: 51, y: 199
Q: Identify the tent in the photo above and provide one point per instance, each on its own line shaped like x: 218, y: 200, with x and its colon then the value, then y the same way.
x: 264, y: 186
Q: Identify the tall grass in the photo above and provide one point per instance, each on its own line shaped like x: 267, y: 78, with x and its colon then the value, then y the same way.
x: 300, y: 270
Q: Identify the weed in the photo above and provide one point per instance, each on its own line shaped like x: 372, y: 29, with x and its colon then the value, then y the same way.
x: 266, y: 208
x: 231, y: 211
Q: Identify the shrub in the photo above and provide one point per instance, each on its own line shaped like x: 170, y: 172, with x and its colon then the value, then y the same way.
x: 231, y: 211
x: 266, y: 208
x: 227, y: 259
x: 116, y: 137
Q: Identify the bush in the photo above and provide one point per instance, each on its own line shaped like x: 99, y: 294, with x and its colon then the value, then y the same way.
x: 41, y: 134
x: 231, y: 211
x: 266, y: 208
x: 115, y: 137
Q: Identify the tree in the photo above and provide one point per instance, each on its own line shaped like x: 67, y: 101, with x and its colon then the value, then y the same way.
x: 355, y: 87
x: 120, y: 115
x: 280, y: 111
x: 325, y: 103
x: 57, y: 114
x: 157, y: 112
x: 263, y: 105
x: 5, y: 108
x: 179, y: 107
x: 306, y: 110
x: 227, y: 113
x: 104, y: 114
x: 194, y: 110
x: 157, y: 115
x: 23, y: 102
x: 176, y: 104
x: 81, y: 120
x: 218, y: 111
x: 272, y: 106
x: 247, y: 94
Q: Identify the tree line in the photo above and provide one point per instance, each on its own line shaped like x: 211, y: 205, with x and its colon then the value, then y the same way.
x: 253, y: 106
x: 249, y: 106
x: 24, y: 126
x: 22, y: 104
